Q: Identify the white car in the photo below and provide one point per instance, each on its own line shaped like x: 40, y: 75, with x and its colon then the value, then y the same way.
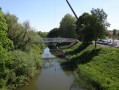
x: 106, y: 42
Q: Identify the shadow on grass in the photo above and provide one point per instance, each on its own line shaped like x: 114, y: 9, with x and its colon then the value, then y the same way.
x: 79, y: 49
x: 84, y: 58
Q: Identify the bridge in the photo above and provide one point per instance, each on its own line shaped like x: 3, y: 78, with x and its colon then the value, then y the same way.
x: 58, y: 40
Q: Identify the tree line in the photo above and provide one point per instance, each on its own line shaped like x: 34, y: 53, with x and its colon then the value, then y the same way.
x: 89, y: 26
x: 20, y: 57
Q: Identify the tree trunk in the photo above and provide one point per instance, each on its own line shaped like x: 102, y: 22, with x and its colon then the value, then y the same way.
x: 95, y: 43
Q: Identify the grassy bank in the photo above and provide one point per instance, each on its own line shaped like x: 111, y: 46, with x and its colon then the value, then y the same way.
x: 97, y: 69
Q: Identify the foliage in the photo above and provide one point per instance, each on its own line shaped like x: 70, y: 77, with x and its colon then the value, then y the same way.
x: 5, y: 45
x: 24, y: 65
x: 20, y: 34
x: 97, y: 69
x: 4, y: 40
x: 118, y: 34
x: 102, y: 16
x: 114, y: 32
x: 68, y: 27
x: 53, y: 33
x: 42, y: 34
x: 92, y: 26
x: 18, y: 60
x: 5, y: 61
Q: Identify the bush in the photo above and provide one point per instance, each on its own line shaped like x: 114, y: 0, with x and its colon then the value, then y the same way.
x: 18, y: 67
x: 4, y: 62
x: 24, y: 65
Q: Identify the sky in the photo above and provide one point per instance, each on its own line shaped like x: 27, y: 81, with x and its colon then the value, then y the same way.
x: 45, y: 15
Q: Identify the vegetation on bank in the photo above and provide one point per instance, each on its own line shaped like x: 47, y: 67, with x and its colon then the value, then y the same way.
x: 97, y: 69
x: 20, y: 56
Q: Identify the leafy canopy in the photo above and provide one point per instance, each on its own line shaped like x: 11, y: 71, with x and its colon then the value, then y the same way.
x: 92, y: 26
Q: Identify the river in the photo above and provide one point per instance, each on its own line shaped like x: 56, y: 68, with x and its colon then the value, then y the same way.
x: 52, y: 76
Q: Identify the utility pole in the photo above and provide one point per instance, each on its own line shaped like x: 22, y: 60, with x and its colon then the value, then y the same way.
x: 72, y: 9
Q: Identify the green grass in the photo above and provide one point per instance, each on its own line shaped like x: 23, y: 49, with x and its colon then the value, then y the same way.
x: 97, y: 69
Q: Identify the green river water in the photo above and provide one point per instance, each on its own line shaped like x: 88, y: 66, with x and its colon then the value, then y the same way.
x: 52, y: 76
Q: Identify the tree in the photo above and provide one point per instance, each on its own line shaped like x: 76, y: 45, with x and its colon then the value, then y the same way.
x: 92, y: 26
x: 5, y: 45
x: 98, y: 29
x: 17, y: 66
x: 81, y: 28
x: 5, y: 42
x: 43, y: 34
x: 26, y: 25
x: 118, y: 35
x: 114, y: 34
x: 53, y: 33
x: 11, y: 21
x: 15, y: 29
x: 20, y: 34
x: 101, y: 15
x: 68, y: 27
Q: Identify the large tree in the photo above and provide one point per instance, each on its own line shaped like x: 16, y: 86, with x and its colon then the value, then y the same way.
x: 68, y: 26
x: 83, y: 35
x: 92, y: 26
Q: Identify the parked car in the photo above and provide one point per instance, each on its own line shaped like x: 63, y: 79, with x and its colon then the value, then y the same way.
x: 112, y: 44
x: 106, y: 42
x: 100, y: 42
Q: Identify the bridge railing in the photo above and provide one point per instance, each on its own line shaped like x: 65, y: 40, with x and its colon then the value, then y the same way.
x: 46, y: 40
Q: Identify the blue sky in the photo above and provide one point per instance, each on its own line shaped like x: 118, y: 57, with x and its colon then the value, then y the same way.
x: 45, y: 15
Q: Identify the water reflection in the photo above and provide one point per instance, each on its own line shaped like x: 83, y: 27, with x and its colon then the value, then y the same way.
x: 54, y: 78
x: 47, y: 53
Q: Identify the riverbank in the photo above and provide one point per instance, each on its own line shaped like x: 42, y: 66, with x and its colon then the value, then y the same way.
x: 32, y: 83
x: 97, y: 69
x: 23, y: 66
